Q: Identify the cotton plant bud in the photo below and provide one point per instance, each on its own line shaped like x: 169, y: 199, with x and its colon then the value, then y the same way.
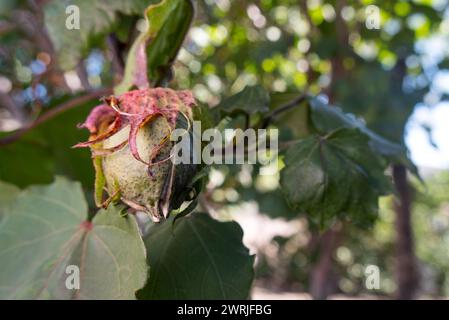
x: 130, y: 145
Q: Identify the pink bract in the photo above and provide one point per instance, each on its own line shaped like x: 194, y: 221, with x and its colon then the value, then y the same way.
x: 134, y: 108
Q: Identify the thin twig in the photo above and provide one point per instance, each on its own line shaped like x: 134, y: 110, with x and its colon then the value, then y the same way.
x: 30, y: 23
x: 6, y: 27
x: 116, y: 54
x: 54, y: 112
x: 82, y: 75
x: 289, y: 105
x: 8, y: 103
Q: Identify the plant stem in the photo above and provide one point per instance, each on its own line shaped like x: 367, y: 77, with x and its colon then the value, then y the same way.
x: 53, y: 113
x: 289, y: 105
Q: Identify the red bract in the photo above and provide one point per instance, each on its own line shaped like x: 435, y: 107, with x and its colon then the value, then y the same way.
x: 135, y: 108
x: 120, y: 169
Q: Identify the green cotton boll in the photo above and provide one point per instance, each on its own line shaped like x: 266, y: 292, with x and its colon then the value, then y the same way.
x: 131, y: 176
x: 130, y: 144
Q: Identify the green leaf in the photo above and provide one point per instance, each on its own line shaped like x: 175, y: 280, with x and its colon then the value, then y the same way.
x: 203, y: 114
x: 326, y: 118
x: 27, y: 161
x: 152, y: 53
x: 295, y: 119
x: 163, y: 49
x: 8, y: 193
x: 46, y: 150
x: 45, y: 230
x: 197, y: 258
x: 337, y: 175
x: 250, y: 100
x: 96, y: 17
x: 270, y: 203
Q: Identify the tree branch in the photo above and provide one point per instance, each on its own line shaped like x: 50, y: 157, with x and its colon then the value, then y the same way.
x: 82, y: 75
x: 289, y: 105
x: 54, y: 112
x: 115, y: 49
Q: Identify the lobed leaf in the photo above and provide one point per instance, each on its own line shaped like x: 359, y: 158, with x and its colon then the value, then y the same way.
x: 197, y: 258
x: 8, y: 193
x: 335, y: 175
x: 154, y: 49
x: 326, y: 118
x: 250, y: 100
x: 96, y: 18
x: 45, y: 230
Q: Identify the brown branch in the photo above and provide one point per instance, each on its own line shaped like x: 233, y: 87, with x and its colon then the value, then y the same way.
x: 304, y: 8
x: 8, y: 103
x: 321, y: 284
x: 54, y: 112
x: 406, y: 269
x: 289, y: 105
x: 30, y: 22
x: 115, y: 49
x: 6, y: 27
x: 82, y: 75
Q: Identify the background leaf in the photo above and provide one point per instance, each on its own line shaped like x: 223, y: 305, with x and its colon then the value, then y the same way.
x: 197, y: 258
x: 26, y: 161
x: 326, y: 118
x: 163, y: 49
x: 153, y: 51
x: 294, y: 120
x: 334, y: 175
x: 46, y: 150
x: 97, y: 18
x: 250, y: 100
x: 45, y: 231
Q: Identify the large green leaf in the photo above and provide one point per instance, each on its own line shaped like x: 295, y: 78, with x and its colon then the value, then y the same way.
x: 153, y: 51
x: 27, y: 161
x: 45, y: 230
x: 336, y: 175
x: 46, y: 150
x: 326, y: 118
x: 96, y: 17
x: 197, y: 258
x: 8, y: 193
x: 250, y: 100
x: 163, y: 49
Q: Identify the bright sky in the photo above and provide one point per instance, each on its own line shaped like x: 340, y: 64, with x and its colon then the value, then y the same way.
x: 435, y: 116
x: 422, y: 152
